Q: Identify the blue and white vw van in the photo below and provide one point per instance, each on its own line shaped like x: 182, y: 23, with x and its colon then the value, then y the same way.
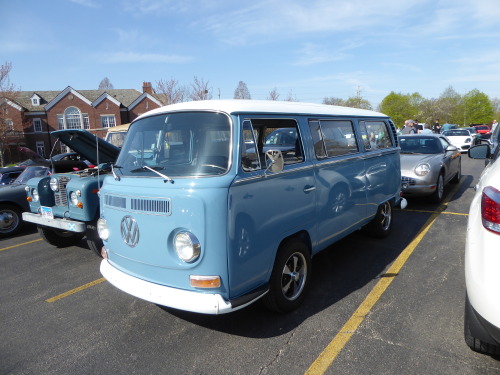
x: 213, y: 205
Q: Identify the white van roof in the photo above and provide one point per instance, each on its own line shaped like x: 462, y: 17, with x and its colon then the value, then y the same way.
x: 264, y: 106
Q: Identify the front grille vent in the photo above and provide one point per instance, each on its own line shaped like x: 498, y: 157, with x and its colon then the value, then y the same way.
x: 150, y: 205
x: 408, y: 180
x: 61, y: 196
x: 114, y: 201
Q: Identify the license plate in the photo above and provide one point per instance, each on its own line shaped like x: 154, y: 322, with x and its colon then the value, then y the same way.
x: 47, y: 212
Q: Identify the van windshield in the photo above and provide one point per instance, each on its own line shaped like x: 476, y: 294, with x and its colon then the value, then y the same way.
x: 186, y: 144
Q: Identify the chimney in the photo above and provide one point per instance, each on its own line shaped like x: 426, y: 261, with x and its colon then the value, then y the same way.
x: 146, y: 87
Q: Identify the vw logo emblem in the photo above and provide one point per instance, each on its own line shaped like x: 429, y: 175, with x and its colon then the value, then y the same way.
x: 130, y: 231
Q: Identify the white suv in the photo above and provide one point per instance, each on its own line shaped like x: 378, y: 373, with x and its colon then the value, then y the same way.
x: 482, y: 258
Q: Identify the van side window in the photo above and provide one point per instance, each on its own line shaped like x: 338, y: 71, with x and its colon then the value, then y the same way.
x: 377, y: 135
x: 249, y: 156
x: 333, y: 138
x: 262, y: 135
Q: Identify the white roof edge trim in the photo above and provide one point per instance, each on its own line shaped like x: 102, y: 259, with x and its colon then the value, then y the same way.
x: 103, y: 97
x: 141, y: 97
x: 62, y: 94
x: 265, y: 107
x: 11, y: 103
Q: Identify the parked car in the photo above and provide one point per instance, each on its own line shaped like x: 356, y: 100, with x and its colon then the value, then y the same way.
x: 13, y: 197
x: 482, y: 258
x: 461, y: 138
x: 495, y: 139
x: 116, y: 135
x: 65, y: 206
x: 9, y: 174
x: 483, y: 130
x: 476, y: 137
x: 428, y: 163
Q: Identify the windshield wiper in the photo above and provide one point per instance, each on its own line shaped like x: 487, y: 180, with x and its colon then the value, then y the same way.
x: 166, y: 178
x: 117, y: 178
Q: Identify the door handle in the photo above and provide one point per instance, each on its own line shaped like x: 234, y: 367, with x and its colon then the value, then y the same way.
x: 309, y: 188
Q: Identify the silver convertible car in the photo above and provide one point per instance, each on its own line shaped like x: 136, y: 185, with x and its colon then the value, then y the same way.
x: 428, y: 163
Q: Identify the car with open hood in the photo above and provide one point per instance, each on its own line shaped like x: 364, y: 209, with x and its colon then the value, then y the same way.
x: 13, y: 196
x: 65, y: 206
x: 428, y: 163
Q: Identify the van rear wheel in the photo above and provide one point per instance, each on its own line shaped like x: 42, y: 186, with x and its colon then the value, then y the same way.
x: 290, y: 277
x: 381, y: 224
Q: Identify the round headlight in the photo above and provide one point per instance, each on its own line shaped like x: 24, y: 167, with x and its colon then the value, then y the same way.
x: 102, y: 229
x: 54, y: 186
x: 74, y: 197
x: 35, y: 195
x: 422, y: 169
x: 187, y: 246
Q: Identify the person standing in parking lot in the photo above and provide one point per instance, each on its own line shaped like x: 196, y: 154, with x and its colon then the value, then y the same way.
x: 436, y: 128
x: 407, y: 127
x: 494, y: 124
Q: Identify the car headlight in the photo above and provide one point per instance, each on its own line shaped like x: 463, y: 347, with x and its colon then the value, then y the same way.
x: 468, y: 140
x: 422, y: 169
x: 187, y: 246
x: 74, y: 197
x: 102, y: 229
x: 54, y: 184
x: 35, y: 195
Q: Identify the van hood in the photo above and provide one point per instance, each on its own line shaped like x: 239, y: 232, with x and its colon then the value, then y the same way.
x: 86, y: 144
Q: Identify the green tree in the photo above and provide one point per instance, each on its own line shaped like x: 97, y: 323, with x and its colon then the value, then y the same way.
x: 399, y: 107
x: 333, y: 101
x: 477, y: 108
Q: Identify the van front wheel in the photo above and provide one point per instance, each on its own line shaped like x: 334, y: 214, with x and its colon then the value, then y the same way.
x: 381, y: 224
x: 290, y: 277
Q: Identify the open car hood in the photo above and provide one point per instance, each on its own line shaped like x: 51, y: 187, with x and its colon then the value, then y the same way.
x: 85, y: 144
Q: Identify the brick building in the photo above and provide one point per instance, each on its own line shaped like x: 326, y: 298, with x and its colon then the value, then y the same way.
x: 32, y: 115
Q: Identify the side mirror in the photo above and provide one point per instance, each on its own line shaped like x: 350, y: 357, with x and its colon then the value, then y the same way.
x: 481, y: 151
x: 274, y: 161
x: 451, y: 148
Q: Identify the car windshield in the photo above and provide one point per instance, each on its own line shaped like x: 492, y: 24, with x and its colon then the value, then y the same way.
x: 186, y: 144
x: 456, y: 132
x: 420, y: 145
x: 30, y: 172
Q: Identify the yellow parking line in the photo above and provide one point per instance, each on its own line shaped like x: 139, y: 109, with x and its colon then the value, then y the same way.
x: 440, y: 212
x: 73, y: 291
x: 326, y: 358
x: 21, y: 244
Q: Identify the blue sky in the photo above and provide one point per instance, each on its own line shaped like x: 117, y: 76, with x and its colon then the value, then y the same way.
x: 309, y: 49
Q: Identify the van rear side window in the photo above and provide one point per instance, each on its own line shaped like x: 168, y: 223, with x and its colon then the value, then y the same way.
x: 376, y: 135
x: 333, y: 138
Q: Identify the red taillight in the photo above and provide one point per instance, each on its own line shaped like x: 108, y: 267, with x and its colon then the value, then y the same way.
x: 490, y: 209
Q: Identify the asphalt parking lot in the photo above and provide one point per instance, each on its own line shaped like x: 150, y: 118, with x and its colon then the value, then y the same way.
x: 391, y: 306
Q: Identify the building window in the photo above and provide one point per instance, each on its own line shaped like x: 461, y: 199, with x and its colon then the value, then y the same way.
x: 40, y: 148
x: 37, y: 125
x: 108, y: 121
x: 60, y: 122
x: 35, y: 101
x: 73, y: 118
x: 10, y: 124
x: 86, y: 122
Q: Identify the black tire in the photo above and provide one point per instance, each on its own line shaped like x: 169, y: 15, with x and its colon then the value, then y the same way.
x: 290, y: 277
x: 94, y: 242
x: 473, y: 342
x: 11, y: 220
x: 438, y: 194
x: 59, y: 238
x: 381, y: 224
x: 458, y: 176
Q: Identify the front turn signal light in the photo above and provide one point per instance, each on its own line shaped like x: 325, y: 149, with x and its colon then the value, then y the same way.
x: 204, y: 281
